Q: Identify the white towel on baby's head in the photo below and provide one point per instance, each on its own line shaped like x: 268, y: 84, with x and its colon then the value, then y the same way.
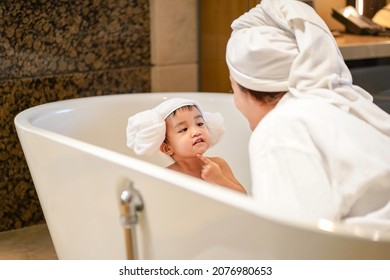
x: 146, y: 130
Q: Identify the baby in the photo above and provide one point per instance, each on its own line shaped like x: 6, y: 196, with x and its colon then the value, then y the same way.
x: 180, y: 129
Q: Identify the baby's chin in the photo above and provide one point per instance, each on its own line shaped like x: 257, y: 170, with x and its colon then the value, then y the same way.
x: 201, y: 148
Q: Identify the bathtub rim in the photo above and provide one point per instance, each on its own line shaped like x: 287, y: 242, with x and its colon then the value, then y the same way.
x: 24, y: 123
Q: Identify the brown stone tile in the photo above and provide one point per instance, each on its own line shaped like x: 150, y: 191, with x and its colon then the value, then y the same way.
x: 61, y: 37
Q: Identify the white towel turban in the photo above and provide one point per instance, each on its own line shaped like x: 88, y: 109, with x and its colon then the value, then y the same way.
x: 146, y: 130
x: 283, y: 45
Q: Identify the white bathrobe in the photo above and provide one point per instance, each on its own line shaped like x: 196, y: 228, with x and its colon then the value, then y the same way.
x: 303, y: 164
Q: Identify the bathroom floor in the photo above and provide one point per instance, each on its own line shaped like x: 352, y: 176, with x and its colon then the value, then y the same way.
x: 30, y: 243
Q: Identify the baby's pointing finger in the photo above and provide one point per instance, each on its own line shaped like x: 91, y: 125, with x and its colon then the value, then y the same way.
x: 203, y: 158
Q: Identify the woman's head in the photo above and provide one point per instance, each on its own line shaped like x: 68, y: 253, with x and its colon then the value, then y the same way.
x: 274, y: 48
x: 259, y: 55
x: 283, y: 45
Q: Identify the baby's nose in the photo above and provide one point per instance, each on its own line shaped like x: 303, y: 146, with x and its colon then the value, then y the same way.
x: 195, y: 132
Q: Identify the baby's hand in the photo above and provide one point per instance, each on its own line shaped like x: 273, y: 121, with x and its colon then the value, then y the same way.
x: 211, y: 171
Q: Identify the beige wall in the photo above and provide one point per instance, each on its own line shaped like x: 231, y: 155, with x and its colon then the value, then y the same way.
x: 174, y: 45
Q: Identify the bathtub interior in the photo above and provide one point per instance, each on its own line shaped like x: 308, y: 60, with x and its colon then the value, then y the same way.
x: 101, y: 121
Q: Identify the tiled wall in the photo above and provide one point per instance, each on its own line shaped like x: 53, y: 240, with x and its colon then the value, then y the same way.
x: 59, y: 49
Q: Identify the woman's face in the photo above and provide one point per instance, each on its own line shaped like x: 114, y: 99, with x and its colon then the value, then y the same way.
x: 245, y: 103
x: 238, y: 96
x: 253, y: 109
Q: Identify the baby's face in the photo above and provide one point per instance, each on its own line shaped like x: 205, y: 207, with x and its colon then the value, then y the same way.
x: 187, y: 133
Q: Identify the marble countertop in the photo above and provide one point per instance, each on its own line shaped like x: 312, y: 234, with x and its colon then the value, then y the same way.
x: 354, y: 47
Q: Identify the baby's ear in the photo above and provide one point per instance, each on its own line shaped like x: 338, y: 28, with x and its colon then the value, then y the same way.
x: 166, y: 149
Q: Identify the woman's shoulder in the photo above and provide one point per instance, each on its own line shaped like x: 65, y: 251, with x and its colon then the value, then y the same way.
x: 300, y: 106
x: 304, y: 111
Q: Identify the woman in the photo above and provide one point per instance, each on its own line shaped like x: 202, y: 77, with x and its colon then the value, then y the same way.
x: 320, y: 148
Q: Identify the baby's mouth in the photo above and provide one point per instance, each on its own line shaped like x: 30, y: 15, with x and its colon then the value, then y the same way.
x: 197, y: 141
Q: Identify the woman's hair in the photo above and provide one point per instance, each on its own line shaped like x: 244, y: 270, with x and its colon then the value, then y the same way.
x: 263, y: 96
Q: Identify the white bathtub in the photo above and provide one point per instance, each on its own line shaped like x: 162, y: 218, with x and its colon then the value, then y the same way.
x: 77, y: 155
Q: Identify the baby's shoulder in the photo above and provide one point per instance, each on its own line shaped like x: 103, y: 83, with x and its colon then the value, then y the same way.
x: 174, y: 166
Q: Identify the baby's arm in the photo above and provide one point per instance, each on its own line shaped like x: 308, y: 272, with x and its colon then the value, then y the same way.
x: 217, y: 171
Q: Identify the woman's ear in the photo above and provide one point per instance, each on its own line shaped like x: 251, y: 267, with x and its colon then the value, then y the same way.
x: 166, y: 149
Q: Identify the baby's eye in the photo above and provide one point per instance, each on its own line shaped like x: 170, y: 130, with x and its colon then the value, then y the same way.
x: 183, y: 130
x: 200, y: 123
